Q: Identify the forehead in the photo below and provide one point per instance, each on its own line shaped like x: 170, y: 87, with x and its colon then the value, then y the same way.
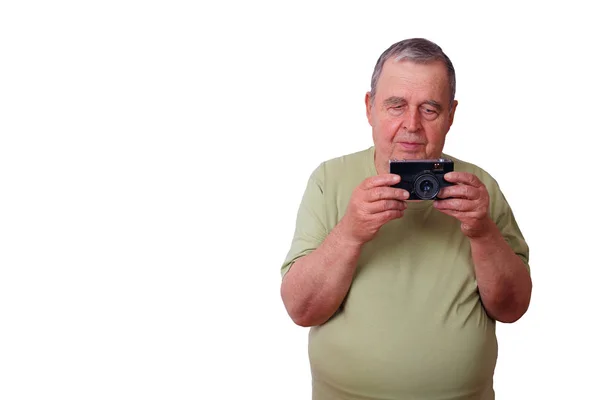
x: 408, y: 79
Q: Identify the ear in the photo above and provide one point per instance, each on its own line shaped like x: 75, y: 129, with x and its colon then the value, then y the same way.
x: 454, y: 105
x: 368, y: 106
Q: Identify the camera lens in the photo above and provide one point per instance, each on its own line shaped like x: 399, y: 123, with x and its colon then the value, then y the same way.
x: 426, y: 186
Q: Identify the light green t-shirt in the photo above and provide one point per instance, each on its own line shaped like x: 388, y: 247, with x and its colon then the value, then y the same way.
x: 412, y: 325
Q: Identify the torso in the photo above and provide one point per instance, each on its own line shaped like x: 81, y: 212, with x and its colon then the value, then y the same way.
x: 412, y: 325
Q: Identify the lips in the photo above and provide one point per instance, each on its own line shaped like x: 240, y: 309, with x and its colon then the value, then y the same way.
x: 410, y: 146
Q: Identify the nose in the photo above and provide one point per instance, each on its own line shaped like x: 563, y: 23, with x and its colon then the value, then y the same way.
x: 412, y: 123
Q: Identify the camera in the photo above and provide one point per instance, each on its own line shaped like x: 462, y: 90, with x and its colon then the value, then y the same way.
x: 423, y: 179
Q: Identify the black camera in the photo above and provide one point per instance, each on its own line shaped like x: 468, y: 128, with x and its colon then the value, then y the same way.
x: 423, y: 179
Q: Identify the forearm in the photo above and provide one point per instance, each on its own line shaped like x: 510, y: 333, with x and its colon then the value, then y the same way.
x: 502, y: 277
x: 314, y: 288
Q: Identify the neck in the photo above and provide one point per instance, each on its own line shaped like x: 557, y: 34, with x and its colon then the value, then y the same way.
x: 381, y: 165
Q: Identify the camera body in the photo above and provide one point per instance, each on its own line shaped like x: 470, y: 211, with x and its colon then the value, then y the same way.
x: 423, y: 179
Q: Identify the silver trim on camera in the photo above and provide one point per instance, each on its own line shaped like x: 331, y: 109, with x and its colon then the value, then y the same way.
x: 425, y: 160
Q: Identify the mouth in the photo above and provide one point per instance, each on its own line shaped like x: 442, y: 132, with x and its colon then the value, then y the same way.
x: 410, y: 146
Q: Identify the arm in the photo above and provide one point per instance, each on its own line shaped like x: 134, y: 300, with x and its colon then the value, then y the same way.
x: 498, y: 250
x: 314, y: 287
x: 502, y: 277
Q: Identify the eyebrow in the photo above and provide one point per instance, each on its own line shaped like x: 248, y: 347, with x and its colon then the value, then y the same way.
x: 394, y: 100
x: 434, y: 104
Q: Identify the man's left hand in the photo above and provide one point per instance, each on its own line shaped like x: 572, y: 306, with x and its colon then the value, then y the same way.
x: 468, y: 201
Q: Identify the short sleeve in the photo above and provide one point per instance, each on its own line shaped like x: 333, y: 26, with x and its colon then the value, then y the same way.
x: 311, y: 228
x: 506, y: 222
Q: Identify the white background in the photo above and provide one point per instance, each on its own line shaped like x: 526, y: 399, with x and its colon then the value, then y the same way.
x: 153, y: 155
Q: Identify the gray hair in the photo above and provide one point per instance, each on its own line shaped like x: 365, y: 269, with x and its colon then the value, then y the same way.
x: 417, y: 50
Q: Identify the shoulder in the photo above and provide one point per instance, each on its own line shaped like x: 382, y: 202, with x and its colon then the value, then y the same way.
x: 356, y: 159
x: 356, y: 165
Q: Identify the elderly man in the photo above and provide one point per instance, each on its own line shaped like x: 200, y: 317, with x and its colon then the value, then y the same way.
x: 402, y: 296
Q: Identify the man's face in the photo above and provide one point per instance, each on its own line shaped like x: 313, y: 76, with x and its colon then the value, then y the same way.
x: 411, y: 112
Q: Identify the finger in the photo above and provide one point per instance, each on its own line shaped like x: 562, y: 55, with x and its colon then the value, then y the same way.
x: 454, y: 204
x: 459, y: 191
x: 392, y: 214
x: 452, y: 213
x: 380, y: 180
x: 464, y: 178
x: 460, y: 215
x: 386, y: 205
x: 386, y: 193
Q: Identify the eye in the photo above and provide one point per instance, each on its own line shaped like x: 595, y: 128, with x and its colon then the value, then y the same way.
x: 396, y: 109
x: 429, y: 113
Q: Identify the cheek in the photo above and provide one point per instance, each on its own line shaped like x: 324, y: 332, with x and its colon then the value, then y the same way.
x: 435, y: 136
x: 388, y: 127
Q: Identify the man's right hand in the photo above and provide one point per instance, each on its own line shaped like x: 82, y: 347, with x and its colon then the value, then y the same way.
x: 372, y: 204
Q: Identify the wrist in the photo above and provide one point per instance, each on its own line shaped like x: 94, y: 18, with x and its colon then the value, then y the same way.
x: 345, y: 237
x: 488, y: 232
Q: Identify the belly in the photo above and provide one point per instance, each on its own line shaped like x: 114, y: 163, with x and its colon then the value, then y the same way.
x: 412, y: 325
x: 371, y: 355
